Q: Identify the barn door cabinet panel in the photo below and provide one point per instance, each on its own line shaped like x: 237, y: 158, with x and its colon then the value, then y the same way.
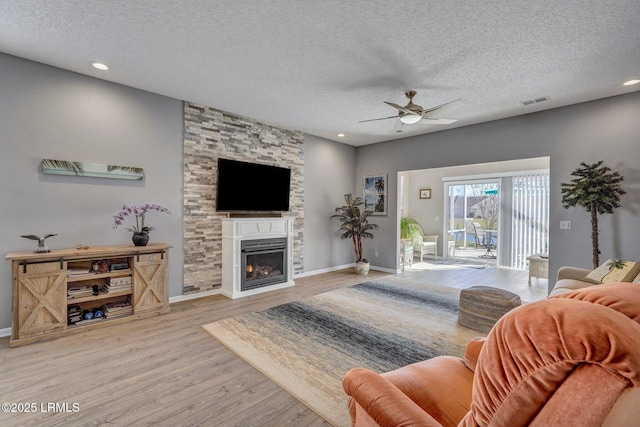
x: 40, y: 299
x: 150, y: 276
x: 66, y: 290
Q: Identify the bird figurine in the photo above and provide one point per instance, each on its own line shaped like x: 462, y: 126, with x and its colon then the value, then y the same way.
x: 41, y: 248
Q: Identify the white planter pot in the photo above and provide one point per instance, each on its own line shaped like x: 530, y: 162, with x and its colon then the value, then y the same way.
x: 362, y: 268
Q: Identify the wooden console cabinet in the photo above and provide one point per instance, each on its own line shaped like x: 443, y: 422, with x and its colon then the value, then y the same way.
x: 44, y: 285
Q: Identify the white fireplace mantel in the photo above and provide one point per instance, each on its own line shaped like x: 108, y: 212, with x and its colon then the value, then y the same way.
x: 234, y: 231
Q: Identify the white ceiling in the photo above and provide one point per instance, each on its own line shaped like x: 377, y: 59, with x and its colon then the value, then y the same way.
x: 321, y: 66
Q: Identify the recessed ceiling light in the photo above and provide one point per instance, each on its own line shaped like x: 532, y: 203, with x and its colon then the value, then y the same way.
x: 341, y: 135
x: 632, y: 82
x: 99, y: 66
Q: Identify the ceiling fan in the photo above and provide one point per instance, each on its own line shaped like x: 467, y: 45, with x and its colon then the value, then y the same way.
x: 413, y: 113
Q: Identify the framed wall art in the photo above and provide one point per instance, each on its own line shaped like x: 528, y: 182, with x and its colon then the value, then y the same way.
x: 425, y: 193
x: 66, y: 167
x: 375, y: 194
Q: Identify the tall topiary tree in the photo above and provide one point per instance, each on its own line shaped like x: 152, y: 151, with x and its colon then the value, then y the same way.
x: 597, y: 189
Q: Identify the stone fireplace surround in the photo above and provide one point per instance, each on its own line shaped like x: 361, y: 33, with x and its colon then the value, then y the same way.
x: 237, y: 230
x: 209, y: 134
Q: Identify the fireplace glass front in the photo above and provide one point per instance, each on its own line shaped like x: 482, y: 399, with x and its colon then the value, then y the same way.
x: 263, y: 262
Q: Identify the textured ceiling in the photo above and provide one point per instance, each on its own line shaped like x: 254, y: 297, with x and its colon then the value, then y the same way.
x: 321, y: 66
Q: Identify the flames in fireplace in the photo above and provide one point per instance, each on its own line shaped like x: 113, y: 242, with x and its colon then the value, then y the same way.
x: 255, y: 271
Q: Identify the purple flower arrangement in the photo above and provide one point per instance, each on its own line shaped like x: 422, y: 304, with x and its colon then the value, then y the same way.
x: 139, y: 211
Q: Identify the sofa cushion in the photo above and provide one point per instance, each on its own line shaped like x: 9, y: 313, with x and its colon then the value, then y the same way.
x: 614, y: 271
x: 566, y: 285
x: 617, y: 296
x: 626, y: 411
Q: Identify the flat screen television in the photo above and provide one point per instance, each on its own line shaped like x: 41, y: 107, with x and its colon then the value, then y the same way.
x: 252, y: 187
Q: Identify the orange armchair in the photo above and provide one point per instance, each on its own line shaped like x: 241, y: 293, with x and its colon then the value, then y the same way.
x: 570, y: 360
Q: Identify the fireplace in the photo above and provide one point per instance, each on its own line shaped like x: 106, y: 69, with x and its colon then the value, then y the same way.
x: 264, y: 262
x: 257, y: 255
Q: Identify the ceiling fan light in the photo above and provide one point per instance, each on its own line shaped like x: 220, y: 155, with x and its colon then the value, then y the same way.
x: 410, y: 119
x: 99, y: 66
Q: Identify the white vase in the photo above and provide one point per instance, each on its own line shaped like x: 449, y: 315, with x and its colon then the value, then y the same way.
x: 362, y: 267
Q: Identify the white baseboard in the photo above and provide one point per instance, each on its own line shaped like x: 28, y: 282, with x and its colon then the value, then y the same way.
x: 384, y: 270
x: 342, y: 267
x: 180, y: 298
x: 322, y: 270
x: 5, y: 332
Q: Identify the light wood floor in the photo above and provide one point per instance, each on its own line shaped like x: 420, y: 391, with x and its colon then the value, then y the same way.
x: 515, y: 281
x: 166, y: 370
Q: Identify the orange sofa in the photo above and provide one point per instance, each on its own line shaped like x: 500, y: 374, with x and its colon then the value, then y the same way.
x: 569, y: 360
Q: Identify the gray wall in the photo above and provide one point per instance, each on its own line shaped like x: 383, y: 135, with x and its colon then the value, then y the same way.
x: 606, y: 129
x: 328, y: 175
x: 51, y: 113
x: 46, y: 112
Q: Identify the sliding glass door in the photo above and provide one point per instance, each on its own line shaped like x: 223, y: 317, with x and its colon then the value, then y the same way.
x: 473, y: 218
x: 504, y: 218
x: 530, y: 219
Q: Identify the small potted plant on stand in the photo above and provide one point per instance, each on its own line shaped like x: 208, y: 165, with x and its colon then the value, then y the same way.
x: 409, y: 228
x: 354, y: 225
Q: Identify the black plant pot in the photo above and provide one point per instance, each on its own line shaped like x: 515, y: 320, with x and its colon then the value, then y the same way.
x: 140, y: 238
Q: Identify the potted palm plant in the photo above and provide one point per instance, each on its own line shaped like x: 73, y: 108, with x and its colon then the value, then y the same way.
x: 597, y: 189
x: 354, y: 225
x: 409, y: 228
x: 409, y: 231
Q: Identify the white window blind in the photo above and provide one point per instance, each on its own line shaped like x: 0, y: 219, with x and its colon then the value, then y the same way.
x: 530, y: 225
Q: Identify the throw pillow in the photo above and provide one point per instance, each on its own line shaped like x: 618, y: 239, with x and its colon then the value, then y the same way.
x: 614, y: 270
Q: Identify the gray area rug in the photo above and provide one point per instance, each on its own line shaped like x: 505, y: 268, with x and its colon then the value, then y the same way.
x: 307, y: 346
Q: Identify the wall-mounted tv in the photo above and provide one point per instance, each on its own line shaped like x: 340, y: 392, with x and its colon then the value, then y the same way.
x: 252, y: 187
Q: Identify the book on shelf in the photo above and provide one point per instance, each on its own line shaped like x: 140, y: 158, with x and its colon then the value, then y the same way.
x: 119, y: 281
x: 108, y: 288
x: 117, y: 284
x: 72, y: 272
x: 80, y: 291
x: 113, y: 310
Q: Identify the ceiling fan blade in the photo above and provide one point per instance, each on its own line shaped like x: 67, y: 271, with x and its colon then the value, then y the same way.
x: 382, y: 118
x: 398, y: 127
x: 434, y: 121
x: 401, y: 108
x: 441, y: 108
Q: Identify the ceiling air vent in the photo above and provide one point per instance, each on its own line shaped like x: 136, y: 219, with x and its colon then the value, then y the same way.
x: 534, y: 101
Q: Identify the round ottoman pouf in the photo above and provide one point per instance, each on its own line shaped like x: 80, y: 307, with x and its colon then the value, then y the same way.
x: 480, y: 307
